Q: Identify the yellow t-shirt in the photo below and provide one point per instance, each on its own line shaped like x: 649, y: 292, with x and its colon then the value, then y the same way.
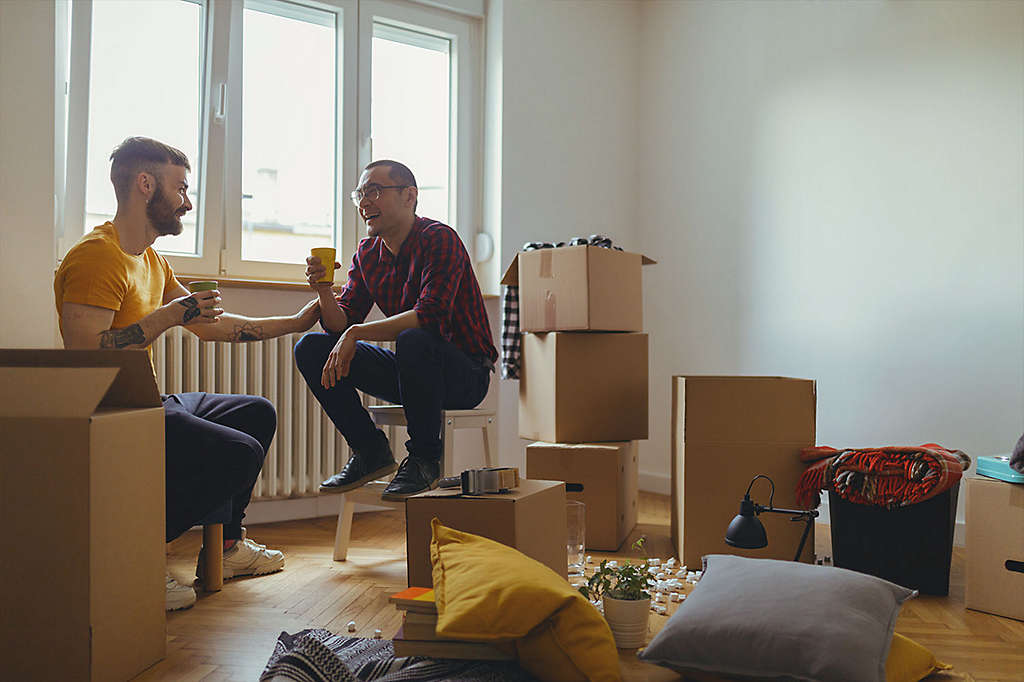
x: 96, y: 271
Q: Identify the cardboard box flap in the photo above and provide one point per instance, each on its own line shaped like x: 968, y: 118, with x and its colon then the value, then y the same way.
x: 53, y: 391
x: 511, y: 276
x: 133, y: 386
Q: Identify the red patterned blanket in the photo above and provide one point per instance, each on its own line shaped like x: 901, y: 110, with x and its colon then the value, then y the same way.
x: 887, y: 477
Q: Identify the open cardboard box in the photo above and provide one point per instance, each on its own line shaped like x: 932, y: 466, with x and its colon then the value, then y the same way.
x: 82, y: 498
x: 531, y: 518
x: 578, y: 288
x: 725, y: 431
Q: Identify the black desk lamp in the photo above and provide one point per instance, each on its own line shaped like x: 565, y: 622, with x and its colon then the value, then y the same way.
x: 747, y: 531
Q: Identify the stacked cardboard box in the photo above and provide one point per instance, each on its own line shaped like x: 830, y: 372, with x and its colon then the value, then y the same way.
x: 583, y: 379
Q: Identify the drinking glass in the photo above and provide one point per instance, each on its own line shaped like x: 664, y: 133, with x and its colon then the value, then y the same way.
x: 576, y: 542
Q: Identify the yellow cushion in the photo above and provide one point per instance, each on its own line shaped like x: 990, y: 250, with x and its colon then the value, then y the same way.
x: 487, y: 591
x: 909, y: 661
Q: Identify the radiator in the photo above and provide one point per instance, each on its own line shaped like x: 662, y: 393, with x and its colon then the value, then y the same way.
x: 307, y: 448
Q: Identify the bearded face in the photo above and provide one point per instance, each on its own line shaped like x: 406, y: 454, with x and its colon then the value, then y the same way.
x: 163, y: 215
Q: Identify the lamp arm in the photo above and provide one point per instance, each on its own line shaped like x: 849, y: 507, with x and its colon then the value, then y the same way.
x: 812, y: 513
x: 808, y: 516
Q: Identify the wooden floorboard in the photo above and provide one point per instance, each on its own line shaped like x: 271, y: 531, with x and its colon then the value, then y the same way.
x: 229, y: 635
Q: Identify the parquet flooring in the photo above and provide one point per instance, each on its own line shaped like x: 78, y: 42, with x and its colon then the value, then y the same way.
x: 230, y: 634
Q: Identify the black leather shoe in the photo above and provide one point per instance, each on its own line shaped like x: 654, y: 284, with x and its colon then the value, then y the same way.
x: 360, y: 469
x: 414, y: 476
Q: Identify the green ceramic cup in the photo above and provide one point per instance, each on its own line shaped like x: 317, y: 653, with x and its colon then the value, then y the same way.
x: 204, y: 285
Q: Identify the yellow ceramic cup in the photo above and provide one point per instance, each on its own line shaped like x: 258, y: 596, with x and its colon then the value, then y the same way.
x: 204, y: 285
x: 326, y: 256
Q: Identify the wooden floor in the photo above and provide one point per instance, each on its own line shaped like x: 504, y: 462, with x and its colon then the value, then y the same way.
x: 230, y: 634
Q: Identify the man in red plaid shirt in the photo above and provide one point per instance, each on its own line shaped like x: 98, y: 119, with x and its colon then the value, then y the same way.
x: 418, y: 273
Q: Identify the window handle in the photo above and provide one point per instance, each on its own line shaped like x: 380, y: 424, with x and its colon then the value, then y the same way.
x: 222, y: 103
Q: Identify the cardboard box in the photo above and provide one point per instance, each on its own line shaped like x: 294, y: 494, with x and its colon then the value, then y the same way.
x: 995, y: 547
x: 578, y: 288
x: 603, y: 476
x: 531, y: 518
x: 82, y: 498
x: 583, y: 388
x: 725, y: 431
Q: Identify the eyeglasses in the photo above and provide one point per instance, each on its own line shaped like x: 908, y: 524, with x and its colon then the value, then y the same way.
x: 371, y: 192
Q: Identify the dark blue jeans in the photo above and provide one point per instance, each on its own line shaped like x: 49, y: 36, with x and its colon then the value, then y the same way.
x: 425, y: 374
x: 215, y: 445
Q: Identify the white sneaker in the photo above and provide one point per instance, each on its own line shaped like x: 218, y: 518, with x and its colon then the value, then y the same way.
x: 251, y: 558
x: 179, y: 596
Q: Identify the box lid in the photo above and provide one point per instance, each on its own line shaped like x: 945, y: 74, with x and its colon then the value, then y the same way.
x: 68, y: 383
x: 511, y: 276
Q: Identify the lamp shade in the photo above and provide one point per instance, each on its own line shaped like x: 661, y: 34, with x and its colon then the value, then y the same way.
x: 746, y: 530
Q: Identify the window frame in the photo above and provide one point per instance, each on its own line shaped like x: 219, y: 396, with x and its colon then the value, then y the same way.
x: 466, y: 100
x: 346, y: 57
x: 219, y: 219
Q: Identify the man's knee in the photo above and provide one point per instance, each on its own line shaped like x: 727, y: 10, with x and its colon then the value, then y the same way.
x: 311, y: 351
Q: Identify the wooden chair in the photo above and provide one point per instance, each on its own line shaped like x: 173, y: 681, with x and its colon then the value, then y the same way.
x: 394, y: 415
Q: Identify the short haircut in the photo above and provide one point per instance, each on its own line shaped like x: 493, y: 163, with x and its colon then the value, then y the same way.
x: 398, y: 172
x: 138, y: 154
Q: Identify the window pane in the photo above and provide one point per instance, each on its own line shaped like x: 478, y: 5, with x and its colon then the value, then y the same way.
x: 288, y: 132
x: 410, y: 110
x: 138, y: 85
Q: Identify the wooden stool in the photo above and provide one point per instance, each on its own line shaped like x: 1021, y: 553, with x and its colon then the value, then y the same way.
x: 213, y: 547
x: 394, y: 415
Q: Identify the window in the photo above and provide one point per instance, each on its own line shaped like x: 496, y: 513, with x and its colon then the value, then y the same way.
x: 164, y: 102
x: 278, y: 105
x: 411, y: 73
x: 289, y: 188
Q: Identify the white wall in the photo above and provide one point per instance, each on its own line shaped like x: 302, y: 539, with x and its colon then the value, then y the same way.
x: 568, y: 135
x: 835, y: 192
x: 27, y: 251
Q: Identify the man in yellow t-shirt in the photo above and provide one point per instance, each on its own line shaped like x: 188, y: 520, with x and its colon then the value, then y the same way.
x: 113, y: 290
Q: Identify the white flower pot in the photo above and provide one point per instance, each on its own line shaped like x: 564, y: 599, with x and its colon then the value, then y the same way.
x: 628, y: 621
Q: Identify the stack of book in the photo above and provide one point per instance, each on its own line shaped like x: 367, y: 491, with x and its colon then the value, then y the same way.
x: 418, y: 634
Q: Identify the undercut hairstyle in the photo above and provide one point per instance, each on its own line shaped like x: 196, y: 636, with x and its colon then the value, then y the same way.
x: 138, y: 154
x: 398, y: 172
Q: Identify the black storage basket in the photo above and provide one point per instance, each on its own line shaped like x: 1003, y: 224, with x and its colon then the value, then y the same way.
x: 910, y: 546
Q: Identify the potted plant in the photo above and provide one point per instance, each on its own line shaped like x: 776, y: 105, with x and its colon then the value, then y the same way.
x: 627, y: 603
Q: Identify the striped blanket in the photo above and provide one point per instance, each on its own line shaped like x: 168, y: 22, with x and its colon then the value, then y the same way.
x: 885, y: 477
x: 322, y: 656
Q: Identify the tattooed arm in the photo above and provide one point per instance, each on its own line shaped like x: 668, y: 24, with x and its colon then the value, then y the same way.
x: 242, y: 329
x: 89, y: 326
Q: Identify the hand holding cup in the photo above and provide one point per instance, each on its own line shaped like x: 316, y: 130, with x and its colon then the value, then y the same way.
x: 320, y: 267
x: 203, y: 305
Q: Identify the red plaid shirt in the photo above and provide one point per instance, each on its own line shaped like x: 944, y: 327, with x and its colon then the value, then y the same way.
x: 432, y: 275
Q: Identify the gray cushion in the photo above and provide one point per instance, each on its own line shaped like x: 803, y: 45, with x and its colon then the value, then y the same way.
x: 768, y: 619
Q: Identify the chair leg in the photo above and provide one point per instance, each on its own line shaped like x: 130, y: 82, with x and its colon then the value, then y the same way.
x: 213, y: 557
x: 343, y: 534
x: 490, y: 442
x: 447, y: 446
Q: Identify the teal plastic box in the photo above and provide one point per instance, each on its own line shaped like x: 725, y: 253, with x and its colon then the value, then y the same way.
x: 998, y: 466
